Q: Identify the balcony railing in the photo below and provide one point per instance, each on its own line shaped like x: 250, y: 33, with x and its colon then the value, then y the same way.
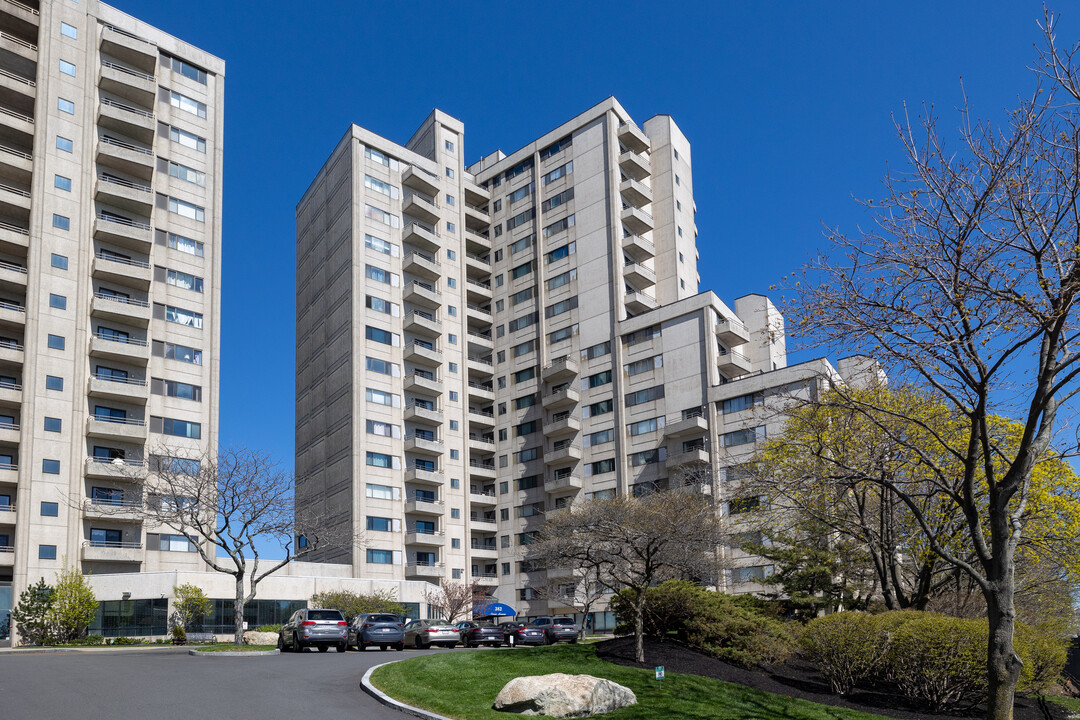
x: 13, y: 228
x: 17, y: 78
x: 121, y: 299
x: 125, y: 33
x: 484, y: 439
x: 107, y: 140
x: 12, y: 267
x: 479, y: 308
x: 423, y: 499
x: 127, y: 70
x: 422, y: 256
x: 481, y: 360
x: 482, y: 465
x: 479, y: 411
x: 121, y: 260
x: 14, y: 190
x: 485, y: 285
x: 127, y: 108
x: 117, y: 462
x: 482, y: 386
x: 17, y: 115
x: 114, y: 544
x: 485, y: 259
x: 22, y: 6
x: 118, y: 420
x: 19, y: 41
x: 693, y: 413
x: 122, y: 380
x: 15, y: 307
x: 116, y: 502
x: 16, y: 153
x: 483, y: 546
x: 122, y: 340
x: 109, y: 217
x: 105, y: 177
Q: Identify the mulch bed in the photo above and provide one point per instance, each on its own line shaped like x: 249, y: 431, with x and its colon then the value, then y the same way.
x: 796, y: 678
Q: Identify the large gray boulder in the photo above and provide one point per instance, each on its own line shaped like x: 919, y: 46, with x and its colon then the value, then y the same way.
x: 252, y: 637
x: 563, y: 696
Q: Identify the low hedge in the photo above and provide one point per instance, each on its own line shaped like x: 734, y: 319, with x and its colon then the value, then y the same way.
x: 846, y: 647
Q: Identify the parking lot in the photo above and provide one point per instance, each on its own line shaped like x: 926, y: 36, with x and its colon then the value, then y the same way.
x: 169, y: 684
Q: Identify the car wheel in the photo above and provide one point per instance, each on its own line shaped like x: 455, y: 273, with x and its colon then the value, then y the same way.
x: 419, y: 645
x: 574, y: 641
x: 361, y: 646
x: 400, y: 646
x: 342, y: 647
x: 324, y: 648
x: 280, y: 643
x: 296, y: 645
x: 548, y: 640
x: 383, y: 647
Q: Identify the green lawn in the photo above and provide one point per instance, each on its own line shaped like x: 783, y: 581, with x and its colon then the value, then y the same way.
x: 1070, y: 704
x: 229, y: 647
x: 464, y: 685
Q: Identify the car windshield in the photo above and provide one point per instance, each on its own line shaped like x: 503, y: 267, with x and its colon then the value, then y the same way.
x: 324, y: 615
x: 383, y: 618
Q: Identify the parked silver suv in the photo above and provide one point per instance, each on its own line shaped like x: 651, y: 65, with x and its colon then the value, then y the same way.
x: 313, y: 627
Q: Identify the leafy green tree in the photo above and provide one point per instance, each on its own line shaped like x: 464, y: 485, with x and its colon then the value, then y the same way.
x: 352, y: 604
x: 31, y: 614
x: 74, y: 605
x: 190, y: 606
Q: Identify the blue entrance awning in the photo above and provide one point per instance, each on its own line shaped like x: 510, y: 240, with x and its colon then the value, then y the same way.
x: 494, y: 610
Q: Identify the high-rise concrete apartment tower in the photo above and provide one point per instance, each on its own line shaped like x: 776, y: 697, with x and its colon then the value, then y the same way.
x: 110, y: 246
x: 479, y: 345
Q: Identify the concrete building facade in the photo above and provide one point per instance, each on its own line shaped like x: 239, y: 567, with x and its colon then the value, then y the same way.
x: 478, y: 345
x: 110, y: 262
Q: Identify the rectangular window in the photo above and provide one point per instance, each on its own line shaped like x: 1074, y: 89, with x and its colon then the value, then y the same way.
x: 50, y: 509
x: 561, y: 307
x: 524, y: 456
x: 449, y: 172
x: 599, y: 408
x: 559, y: 172
x: 57, y: 301
x: 67, y: 68
x: 187, y: 104
x: 593, y: 381
x: 556, y: 147
x: 69, y: 31
x: 743, y: 437
x: 519, y: 168
x: 181, y: 428
x: 737, y: 506
x: 521, y: 270
x: 524, y: 401
x: 54, y: 383
x: 522, y: 244
x: 639, y: 336
x: 520, y: 219
x: 187, y: 174
x: 645, y: 426
x: 188, y: 140
x: 384, y: 306
x: 525, y: 428
x: 187, y: 210
x: 378, y: 274
x: 382, y: 336
x: 46, y: 552
x: 561, y: 252
x: 648, y: 457
x: 376, y: 185
x: 385, y: 160
x: 449, y: 145
x: 644, y: 396
x: 382, y: 492
x: 382, y: 460
x: 53, y: 425
x: 598, y: 350
x: 380, y: 557
x: 56, y: 342
x: 599, y: 438
x: 643, y: 366
x: 380, y: 524
x: 184, y: 280
x: 524, y: 375
x: 558, y: 199
x: 180, y: 316
x: 62, y: 183
x: 185, y: 245
x: 379, y: 397
x: 520, y: 194
x: 62, y: 143
x: 50, y: 467
x: 520, y: 323
x: 61, y: 222
x: 600, y: 467
x: 381, y: 216
x: 182, y: 390
x: 183, y: 354
x: 562, y: 334
x: 175, y: 543
x: 561, y: 279
x: 524, y: 348
x: 383, y: 367
x: 65, y: 106
x: 379, y: 245
x: 743, y: 402
x: 59, y: 261
x: 521, y: 296
x: 559, y: 226
x: 186, y: 69
x: 383, y: 429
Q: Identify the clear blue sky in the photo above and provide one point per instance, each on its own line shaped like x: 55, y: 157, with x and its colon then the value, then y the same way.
x: 786, y: 105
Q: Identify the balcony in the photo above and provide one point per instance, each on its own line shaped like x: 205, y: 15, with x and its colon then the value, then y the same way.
x: 633, y: 137
x: 485, y: 579
x: 109, y: 551
x: 475, y: 194
x: 484, y: 551
x: 638, y: 275
x: 639, y: 302
x: 11, y: 82
x: 423, y: 416
x: 116, y: 510
x: 8, y: 515
x: 15, y: 196
x: 478, y: 265
x: 12, y: 314
x: 692, y: 426
x: 421, y: 355
x: 480, y: 366
x: 11, y: 394
x: 11, y: 353
x: 635, y: 165
x: 421, y: 207
x: 413, y: 571
x: 638, y: 248
x: 483, y: 498
x: 422, y: 237
x: 121, y: 309
x: 20, y: 122
x: 114, y: 428
x: 483, y: 523
x: 421, y: 505
x: 129, y: 195
x: 111, y: 347
x: 562, y: 452
x: 423, y: 445
x: 15, y: 237
x: 481, y: 391
x: 563, y: 483
x: 694, y: 456
x: 125, y: 156
x: 127, y: 83
x: 7, y: 555
x: 417, y: 179
x: 9, y: 433
x: 421, y: 385
x: 480, y: 313
x: 423, y: 294
x: 23, y: 12
x: 480, y: 342
x: 564, y: 397
x: 124, y: 271
x: 481, y: 418
x: 428, y: 539
x: 560, y: 369
x: 9, y: 474
x: 480, y: 443
x: 478, y: 291
x: 423, y: 323
x: 115, y: 469
x: 477, y: 218
x: 129, y: 48
x: 131, y: 390
x: 562, y: 424
x: 483, y: 470
x: 476, y: 242
x: 423, y: 477
x: 733, y: 363
x: 421, y: 265
x: 127, y: 119
x: 731, y: 332
x: 636, y: 220
x: 15, y: 162
x: 125, y: 232
x: 636, y: 193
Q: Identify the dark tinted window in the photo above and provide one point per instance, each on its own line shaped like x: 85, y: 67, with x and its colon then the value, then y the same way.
x: 563, y: 621
x: 324, y: 615
x: 383, y: 618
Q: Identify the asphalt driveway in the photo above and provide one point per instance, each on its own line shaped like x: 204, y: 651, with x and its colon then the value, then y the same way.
x: 169, y: 684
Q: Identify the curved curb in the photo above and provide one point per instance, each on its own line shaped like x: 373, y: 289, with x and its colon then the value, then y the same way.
x: 365, y: 683
x: 225, y: 653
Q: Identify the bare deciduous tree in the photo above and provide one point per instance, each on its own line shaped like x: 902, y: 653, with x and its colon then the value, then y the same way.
x: 969, y: 285
x: 232, y: 504
x: 455, y: 600
x: 633, y: 542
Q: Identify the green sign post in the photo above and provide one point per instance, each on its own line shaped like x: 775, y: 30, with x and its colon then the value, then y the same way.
x: 660, y: 675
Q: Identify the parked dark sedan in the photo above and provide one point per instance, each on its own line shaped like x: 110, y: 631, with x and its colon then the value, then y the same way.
x: 382, y: 629
x: 473, y: 634
x: 519, y: 633
x: 557, y: 628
